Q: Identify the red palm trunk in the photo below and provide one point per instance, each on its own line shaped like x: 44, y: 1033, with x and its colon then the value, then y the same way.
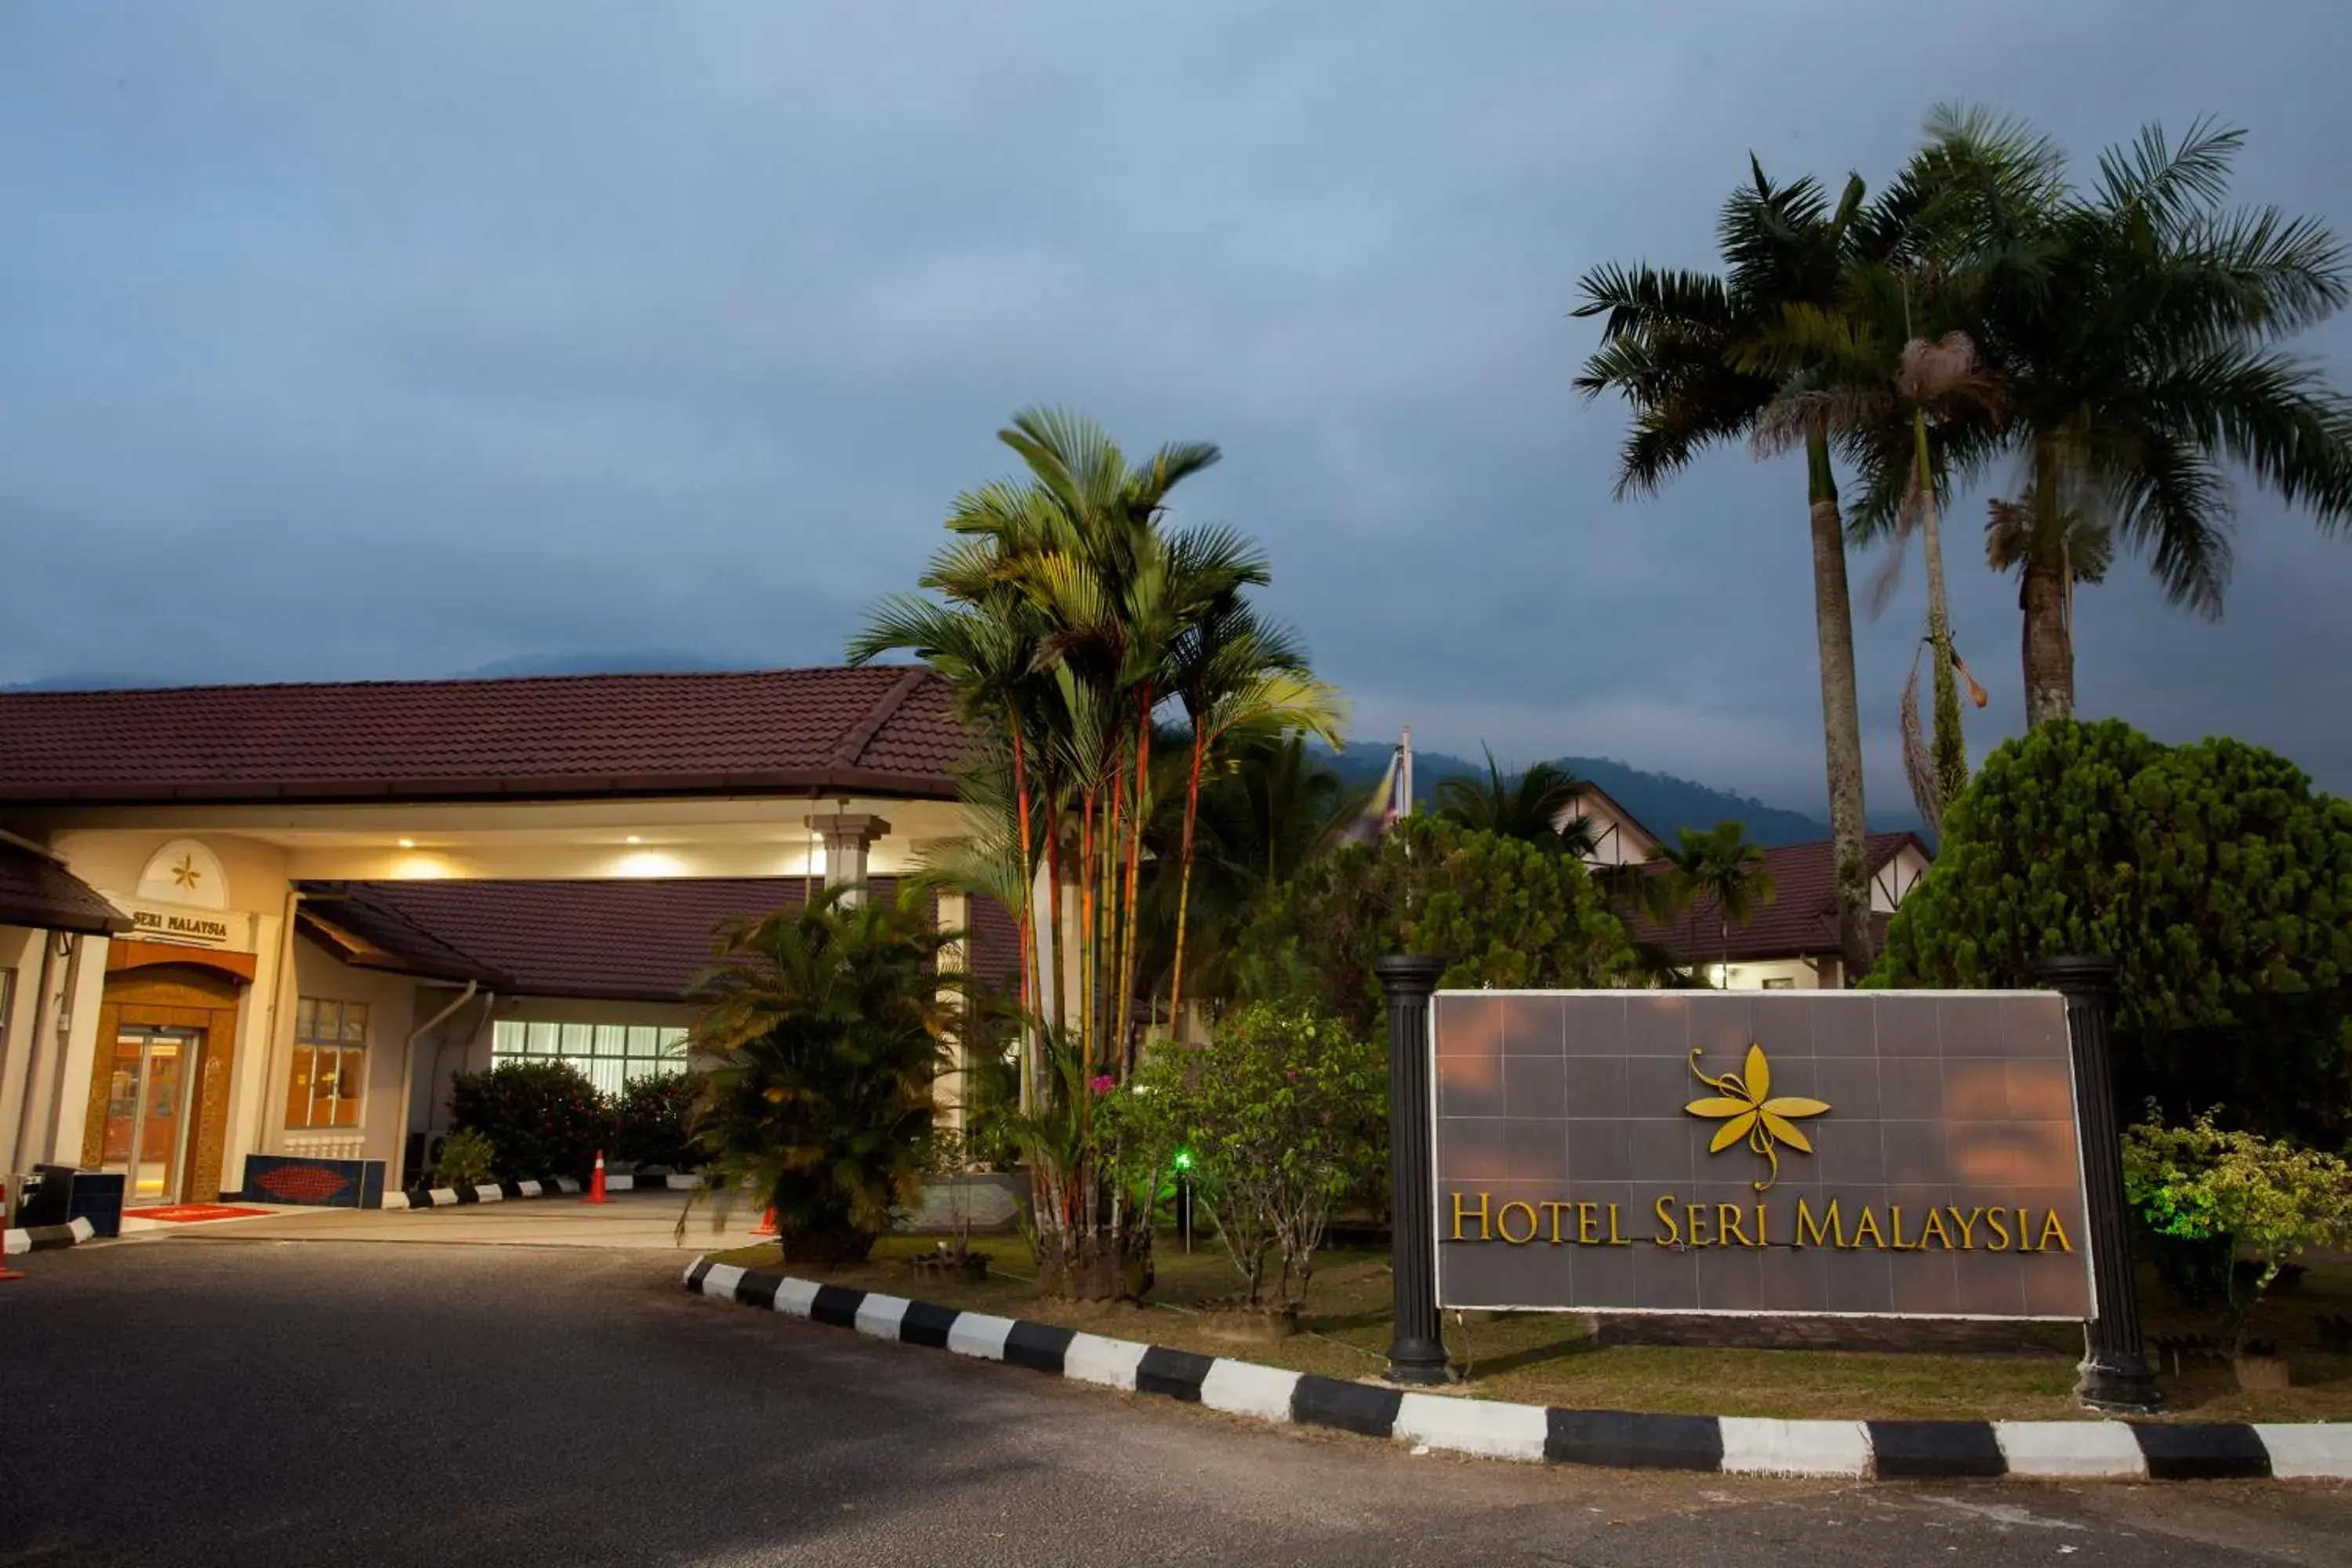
x: 1184, y: 882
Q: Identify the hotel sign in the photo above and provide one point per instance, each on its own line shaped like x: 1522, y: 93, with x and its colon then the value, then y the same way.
x: 1835, y: 1152
x: 189, y: 928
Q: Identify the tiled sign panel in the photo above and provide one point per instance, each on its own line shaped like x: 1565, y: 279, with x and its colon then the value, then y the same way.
x: 1806, y: 1153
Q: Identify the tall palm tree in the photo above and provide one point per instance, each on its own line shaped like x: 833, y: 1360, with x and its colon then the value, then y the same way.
x: 1721, y: 867
x: 1236, y: 675
x: 1531, y: 805
x: 1672, y: 345
x: 2137, y: 333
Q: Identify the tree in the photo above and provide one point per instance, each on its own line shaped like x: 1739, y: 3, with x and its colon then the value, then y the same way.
x: 1284, y: 1113
x: 1718, y: 867
x: 2213, y: 875
x: 2135, y: 332
x: 542, y: 1118
x: 826, y: 1027
x: 1673, y: 346
x: 1501, y: 912
x: 1531, y: 806
x: 1087, y: 605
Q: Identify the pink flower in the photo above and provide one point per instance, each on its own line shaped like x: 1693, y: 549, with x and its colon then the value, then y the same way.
x: 1105, y: 1083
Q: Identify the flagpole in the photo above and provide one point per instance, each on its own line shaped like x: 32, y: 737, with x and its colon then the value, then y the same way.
x: 1405, y: 774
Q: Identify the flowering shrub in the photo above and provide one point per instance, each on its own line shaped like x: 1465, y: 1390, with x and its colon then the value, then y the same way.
x: 1282, y: 1113
x: 544, y: 1118
x: 652, y: 1118
x: 2249, y: 1195
x: 467, y: 1157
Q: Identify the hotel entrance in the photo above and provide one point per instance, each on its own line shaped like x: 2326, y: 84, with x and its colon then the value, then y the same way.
x: 147, y: 1122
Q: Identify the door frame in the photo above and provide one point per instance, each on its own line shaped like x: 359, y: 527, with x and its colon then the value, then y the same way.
x: 188, y: 993
x: 178, y: 1162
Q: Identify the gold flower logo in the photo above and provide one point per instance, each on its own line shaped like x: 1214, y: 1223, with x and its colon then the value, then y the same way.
x: 1746, y: 1111
x: 185, y: 873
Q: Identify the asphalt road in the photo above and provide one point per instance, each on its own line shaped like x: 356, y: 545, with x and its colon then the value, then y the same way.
x: 257, y: 1402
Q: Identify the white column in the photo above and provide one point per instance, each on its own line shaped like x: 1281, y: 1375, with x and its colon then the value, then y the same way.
x: 846, y: 837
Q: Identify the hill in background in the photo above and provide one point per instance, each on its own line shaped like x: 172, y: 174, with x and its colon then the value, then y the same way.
x: 1661, y: 801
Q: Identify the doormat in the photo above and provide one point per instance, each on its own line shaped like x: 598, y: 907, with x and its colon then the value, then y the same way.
x: 184, y: 1213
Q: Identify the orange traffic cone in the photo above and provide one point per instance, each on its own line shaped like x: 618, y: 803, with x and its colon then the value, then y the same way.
x: 767, y: 1226
x: 596, y: 1183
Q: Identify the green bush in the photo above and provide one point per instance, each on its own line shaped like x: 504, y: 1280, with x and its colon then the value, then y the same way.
x: 824, y: 1033
x: 467, y: 1157
x: 2214, y: 876
x: 1500, y: 911
x: 544, y: 1118
x: 651, y: 1119
x: 1281, y: 1113
x: 2240, y: 1194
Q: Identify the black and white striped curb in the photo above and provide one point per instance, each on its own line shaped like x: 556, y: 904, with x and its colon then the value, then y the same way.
x: 43, y: 1237
x: 1730, y: 1445
x: 550, y: 1187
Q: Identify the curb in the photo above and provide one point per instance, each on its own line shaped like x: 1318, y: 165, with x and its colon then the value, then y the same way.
x: 508, y: 1191
x: 48, y: 1237
x: 1727, y: 1445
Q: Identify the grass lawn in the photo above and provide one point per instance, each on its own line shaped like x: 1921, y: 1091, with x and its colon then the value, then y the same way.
x: 1551, y: 1358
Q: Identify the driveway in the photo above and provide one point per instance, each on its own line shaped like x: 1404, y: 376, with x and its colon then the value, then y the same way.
x: 638, y: 1221
x: 270, y: 1401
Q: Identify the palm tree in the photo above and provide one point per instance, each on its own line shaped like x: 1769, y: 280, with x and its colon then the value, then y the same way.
x: 1721, y: 867
x: 2135, y: 331
x: 1672, y: 345
x: 1532, y: 807
x: 1236, y: 675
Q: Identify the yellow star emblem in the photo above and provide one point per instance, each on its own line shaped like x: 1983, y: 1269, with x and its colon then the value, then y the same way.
x: 185, y: 873
x: 1742, y: 1103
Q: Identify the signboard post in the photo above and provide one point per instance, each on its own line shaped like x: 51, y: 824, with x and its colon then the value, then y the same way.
x: 1930, y: 1154
x: 2116, y: 1375
x: 1417, y: 1354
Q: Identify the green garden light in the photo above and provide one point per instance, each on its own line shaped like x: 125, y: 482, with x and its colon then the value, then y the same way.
x: 1184, y: 1164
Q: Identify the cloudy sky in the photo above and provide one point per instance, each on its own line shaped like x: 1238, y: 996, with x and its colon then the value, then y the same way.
x: 398, y: 339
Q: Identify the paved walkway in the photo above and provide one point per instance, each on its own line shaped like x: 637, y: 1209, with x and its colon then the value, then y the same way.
x: 638, y: 1221
x: 220, y: 1401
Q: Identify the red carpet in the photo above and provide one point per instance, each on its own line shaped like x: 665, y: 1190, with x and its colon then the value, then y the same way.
x: 185, y: 1213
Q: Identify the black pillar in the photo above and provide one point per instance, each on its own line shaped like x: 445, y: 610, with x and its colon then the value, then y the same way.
x: 1418, y: 1353
x: 2116, y: 1375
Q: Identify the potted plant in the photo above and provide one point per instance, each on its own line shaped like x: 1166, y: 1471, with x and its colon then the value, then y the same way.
x: 2267, y: 1201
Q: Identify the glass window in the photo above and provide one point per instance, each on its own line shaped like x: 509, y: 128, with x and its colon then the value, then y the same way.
x: 328, y: 1079
x: 610, y: 1055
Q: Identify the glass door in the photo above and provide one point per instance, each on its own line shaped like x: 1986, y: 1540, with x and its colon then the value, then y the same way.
x: 146, y: 1105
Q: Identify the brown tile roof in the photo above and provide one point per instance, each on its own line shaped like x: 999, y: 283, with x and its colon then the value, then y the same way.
x: 882, y: 730
x: 37, y: 893
x: 1800, y: 922
x: 624, y: 941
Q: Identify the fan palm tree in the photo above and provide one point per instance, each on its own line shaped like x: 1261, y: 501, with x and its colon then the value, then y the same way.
x: 2136, y: 334
x: 1721, y: 867
x: 1532, y: 807
x: 1672, y: 345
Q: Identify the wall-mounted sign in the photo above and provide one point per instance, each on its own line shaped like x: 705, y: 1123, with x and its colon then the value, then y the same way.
x: 189, y: 928
x: 185, y: 872
x: 1846, y: 1153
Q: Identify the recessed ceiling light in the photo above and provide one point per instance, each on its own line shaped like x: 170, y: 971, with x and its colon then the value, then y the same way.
x: 635, y: 839
x: 408, y: 844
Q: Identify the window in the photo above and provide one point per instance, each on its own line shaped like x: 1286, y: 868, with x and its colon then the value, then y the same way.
x: 611, y: 1054
x: 1780, y: 983
x: 329, y: 1064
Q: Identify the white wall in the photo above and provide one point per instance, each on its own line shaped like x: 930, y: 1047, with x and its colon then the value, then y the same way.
x: 391, y: 1005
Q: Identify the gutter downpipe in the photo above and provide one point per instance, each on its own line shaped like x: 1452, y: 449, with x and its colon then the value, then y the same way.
x: 408, y: 1079
x: 489, y: 1006
x: 268, y: 1136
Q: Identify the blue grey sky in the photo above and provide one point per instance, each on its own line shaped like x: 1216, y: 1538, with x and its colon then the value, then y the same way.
x: 401, y: 338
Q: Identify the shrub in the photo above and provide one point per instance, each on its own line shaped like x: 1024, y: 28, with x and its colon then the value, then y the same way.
x: 1500, y: 911
x: 467, y: 1156
x: 824, y: 1032
x: 651, y: 1117
x: 2251, y: 1195
x: 1281, y: 1113
x: 2214, y: 876
x: 544, y: 1118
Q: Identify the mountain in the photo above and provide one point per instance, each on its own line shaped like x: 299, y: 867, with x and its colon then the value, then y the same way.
x: 1659, y: 802
x: 634, y: 661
